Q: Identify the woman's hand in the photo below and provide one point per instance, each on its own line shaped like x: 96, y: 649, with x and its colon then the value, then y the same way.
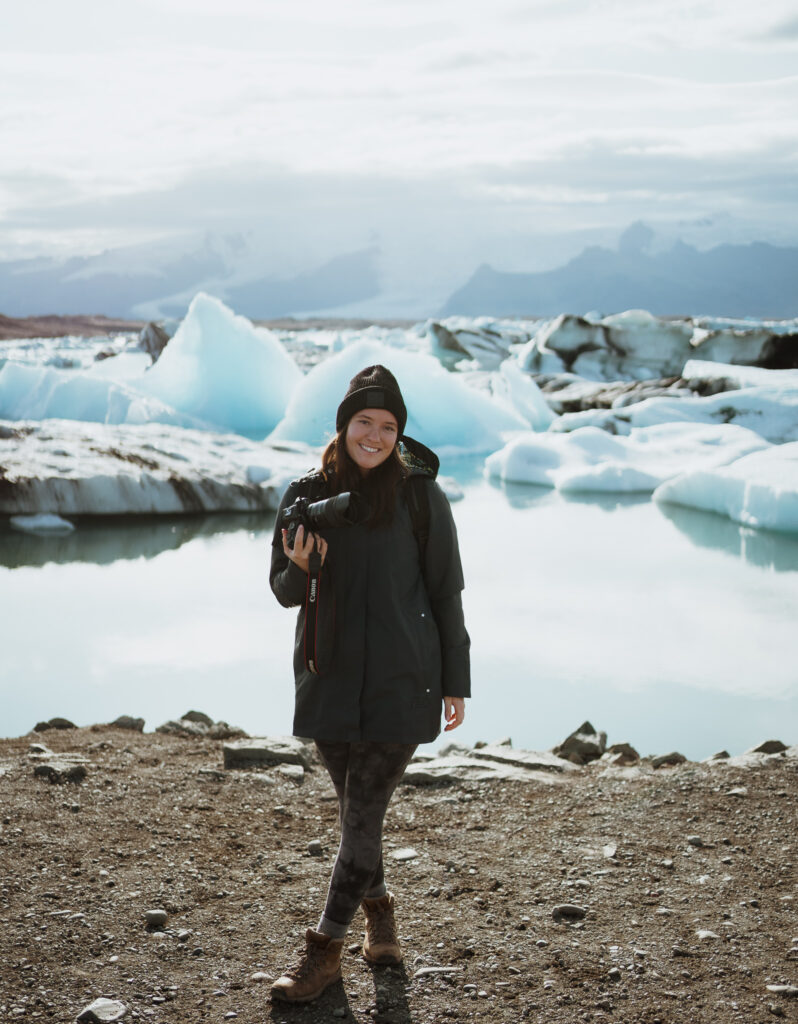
x: 453, y: 712
x: 303, y: 547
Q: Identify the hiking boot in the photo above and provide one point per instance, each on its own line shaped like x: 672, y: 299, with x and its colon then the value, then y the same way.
x: 381, y: 943
x: 318, y: 966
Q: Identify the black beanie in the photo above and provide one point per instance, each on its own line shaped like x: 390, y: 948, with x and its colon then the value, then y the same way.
x: 372, y: 388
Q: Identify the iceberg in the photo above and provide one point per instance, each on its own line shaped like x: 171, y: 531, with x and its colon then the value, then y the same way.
x: 443, y: 412
x: 759, y: 490
x: 222, y: 370
x: 770, y: 410
x: 41, y: 393
x: 64, y: 468
x: 590, y: 459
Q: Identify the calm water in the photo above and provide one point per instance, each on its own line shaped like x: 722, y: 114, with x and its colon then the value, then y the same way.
x: 671, y: 631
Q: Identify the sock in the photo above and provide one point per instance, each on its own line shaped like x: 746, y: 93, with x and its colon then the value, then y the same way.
x: 332, y: 928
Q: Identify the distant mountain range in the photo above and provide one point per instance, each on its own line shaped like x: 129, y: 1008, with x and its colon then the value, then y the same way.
x: 156, y: 281
x: 757, y: 280
x: 161, y: 281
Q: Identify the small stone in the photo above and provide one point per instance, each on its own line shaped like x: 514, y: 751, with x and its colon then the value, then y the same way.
x: 259, y: 977
x: 423, y: 972
x: 339, y: 1011
x: 721, y: 755
x: 103, y: 1011
x: 541, y: 943
x: 738, y: 791
x: 609, y: 851
x: 405, y: 853
x: 315, y: 848
x: 155, y: 918
x: 614, y: 974
x: 230, y: 1014
x: 696, y: 841
x: 680, y: 951
x: 568, y: 911
x: 705, y: 933
x: 668, y: 864
x: 776, y: 1010
x: 183, y: 935
x: 784, y: 990
x: 668, y: 759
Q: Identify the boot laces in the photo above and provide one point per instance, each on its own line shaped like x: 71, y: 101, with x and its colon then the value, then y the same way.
x: 309, y: 959
x: 381, y: 927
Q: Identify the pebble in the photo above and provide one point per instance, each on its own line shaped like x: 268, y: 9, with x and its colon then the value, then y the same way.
x: 339, y: 1011
x: 696, y: 841
x: 784, y: 990
x: 183, y: 935
x: 405, y: 853
x: 705, y: 933
x: 260, y: 976
x: 315, y: 848
x: 104, y: 1011
x: 668, y: 864
x: 738, y: 791
x: 569, y: 911
x: 614, y: 974
x: 155, y: 918
x: 422, y: 972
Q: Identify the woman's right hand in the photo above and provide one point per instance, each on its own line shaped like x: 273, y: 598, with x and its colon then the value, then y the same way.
x: 303, y: 547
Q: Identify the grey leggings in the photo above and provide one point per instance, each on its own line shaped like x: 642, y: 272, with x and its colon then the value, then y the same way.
x: 365, y: 776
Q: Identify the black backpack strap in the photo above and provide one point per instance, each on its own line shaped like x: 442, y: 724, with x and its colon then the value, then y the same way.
x: 417, y: 497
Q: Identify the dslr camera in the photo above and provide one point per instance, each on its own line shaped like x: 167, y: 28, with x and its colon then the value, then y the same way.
x: 341, y: 510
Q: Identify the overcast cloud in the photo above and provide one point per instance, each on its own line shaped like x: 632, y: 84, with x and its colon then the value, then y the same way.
x: 324, y: 128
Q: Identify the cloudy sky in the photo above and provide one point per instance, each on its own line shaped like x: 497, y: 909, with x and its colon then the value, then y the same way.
x: 509, y: 132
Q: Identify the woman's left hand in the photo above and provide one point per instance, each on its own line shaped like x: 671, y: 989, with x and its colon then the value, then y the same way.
x: 453, y: 712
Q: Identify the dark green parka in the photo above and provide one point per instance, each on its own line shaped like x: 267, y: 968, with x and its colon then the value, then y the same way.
x: 400, y: 642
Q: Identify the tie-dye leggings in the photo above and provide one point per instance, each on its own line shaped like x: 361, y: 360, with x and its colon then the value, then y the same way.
x: 365, y: 776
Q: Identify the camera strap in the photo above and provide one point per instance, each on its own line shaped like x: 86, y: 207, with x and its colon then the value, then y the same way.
x: 313, y: 598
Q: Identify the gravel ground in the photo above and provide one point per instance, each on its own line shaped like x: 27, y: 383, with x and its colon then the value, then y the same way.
x: 686, y: 877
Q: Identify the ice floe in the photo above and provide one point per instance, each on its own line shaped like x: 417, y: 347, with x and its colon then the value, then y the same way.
x: 442, y: 410
x: 771, y: 411
x: 67, y: 468
x: 760, y: 489
x: 590, y: 459
x: 635, y: 345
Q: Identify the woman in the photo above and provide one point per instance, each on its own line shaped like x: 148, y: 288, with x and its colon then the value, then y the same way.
x: 398, y: 654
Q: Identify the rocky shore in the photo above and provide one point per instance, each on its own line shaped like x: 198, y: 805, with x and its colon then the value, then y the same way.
x: 168, y: 876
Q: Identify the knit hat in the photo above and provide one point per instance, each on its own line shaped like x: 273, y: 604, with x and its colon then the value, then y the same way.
x: 372, y: 388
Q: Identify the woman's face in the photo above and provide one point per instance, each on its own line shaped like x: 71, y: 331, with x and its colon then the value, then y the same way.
x: 371, y: 437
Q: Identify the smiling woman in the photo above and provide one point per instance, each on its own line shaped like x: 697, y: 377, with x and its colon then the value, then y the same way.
x: 397, y: 657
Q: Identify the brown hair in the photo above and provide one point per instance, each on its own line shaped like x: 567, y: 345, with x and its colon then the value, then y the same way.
x: 379, y: 486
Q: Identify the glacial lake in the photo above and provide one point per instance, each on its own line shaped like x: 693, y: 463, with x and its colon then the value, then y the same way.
x: 668, y: 628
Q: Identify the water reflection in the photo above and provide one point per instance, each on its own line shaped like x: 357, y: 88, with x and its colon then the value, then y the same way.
x: 103, y: 541
x: 526, y: 495
x: 762, y: 548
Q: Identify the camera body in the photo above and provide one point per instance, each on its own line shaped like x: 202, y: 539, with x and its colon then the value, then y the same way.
x: 340, y: 510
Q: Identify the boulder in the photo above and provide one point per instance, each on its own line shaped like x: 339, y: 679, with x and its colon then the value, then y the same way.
x: 458, y: 768
x: 583, y: 745
x: 128, y: 722
x: 769, y: 747
x: 541, y: 761
x: 668, y: 759
x: 196, y: 723
x: 63, y: 768
x: 153, y: 339
x: 266, y: 750
x: 54, y: 723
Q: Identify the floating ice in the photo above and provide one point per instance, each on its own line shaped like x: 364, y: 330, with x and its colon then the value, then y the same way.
x: 220, y: 369
x: 739, y: 376
x: 43, y: 523
x: 522, y: 394
x: 772, y: 411
x: 66, y: 468
x: 442, y: 411
x: 635, y: 345
x: 760, y: 489
x: 39, y: 393
x: 590, y: 459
